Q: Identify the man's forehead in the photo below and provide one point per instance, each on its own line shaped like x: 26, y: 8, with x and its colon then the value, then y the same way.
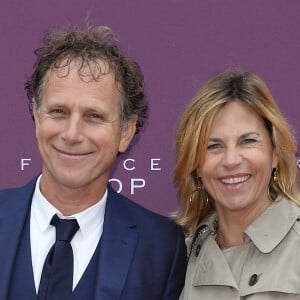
x: 87, y: 70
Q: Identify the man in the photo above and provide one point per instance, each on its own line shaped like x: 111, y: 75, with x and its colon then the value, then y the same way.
x: 87, y: 101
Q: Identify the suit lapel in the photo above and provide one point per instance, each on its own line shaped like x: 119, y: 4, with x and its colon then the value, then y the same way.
x: 118, y: 242
x: 14, y: 206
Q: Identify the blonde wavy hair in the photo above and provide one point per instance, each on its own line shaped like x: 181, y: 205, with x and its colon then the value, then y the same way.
x: 192, y: 141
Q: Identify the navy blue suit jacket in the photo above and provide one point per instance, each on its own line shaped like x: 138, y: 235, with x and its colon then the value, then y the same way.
x: 143, y: 255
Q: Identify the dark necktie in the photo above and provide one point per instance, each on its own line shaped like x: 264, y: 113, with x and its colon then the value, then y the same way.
x: 57, y: 276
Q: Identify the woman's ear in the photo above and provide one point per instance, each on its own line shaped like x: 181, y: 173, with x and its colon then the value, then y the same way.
x: 275, y: 159
x: 198, y: 172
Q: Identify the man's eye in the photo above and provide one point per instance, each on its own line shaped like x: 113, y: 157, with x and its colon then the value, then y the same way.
x: 95, y: 116
x: 57, y: 111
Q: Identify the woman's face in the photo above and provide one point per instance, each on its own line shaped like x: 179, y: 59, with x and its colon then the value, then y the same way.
x: 239, y: 160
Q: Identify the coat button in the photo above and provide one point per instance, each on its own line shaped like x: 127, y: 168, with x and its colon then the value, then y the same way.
x: 253, y: 279
x: 198, y: 250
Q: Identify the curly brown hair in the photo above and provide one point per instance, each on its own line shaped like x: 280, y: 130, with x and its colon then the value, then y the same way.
x: 62, y: 47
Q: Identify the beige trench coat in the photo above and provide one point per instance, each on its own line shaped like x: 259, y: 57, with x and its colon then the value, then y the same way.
x: 271, y: 269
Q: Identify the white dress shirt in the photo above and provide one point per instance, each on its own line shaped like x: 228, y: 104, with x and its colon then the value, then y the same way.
x: 42, y: 234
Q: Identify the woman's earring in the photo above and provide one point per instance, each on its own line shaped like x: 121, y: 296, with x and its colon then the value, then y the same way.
x: 197, y: 190
x: 275, y: 175
x: 277, y: 180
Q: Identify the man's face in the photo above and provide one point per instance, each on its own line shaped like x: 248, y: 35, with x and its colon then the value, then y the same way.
x: 78, y: 129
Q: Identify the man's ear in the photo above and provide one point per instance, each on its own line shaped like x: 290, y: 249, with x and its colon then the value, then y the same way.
x: 36, y: 120
x: 35, y: 115
x: 127, y: 134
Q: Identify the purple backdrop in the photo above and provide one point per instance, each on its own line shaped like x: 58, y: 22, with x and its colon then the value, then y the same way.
x: 179, y: 45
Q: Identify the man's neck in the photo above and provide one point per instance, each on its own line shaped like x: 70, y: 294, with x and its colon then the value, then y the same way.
x: 70, y: 200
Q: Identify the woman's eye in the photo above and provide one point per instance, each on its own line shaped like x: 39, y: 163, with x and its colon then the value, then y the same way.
x: 213, y: 146
x: 248, y: 141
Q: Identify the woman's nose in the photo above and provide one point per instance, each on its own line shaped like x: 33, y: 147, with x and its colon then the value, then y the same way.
x: 232, y: 157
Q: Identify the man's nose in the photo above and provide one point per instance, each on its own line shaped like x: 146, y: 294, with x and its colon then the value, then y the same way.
x: 73, y: 130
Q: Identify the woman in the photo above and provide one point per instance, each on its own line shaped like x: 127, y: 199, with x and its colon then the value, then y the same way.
x: 238, y: 185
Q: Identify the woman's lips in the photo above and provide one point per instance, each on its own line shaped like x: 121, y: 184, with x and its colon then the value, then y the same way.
x: 235, y: 179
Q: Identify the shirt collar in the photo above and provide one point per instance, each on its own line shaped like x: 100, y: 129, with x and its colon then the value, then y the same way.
x: 43, y: 211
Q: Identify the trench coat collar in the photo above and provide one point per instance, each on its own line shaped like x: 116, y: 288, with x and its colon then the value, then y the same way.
x: 211, y: 267
x: 265, y: 232
x: 269, y: 229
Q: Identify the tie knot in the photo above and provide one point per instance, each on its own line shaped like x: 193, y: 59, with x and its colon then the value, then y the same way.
x: 65, y: 228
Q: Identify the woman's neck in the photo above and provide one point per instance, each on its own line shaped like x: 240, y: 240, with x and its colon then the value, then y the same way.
x: 232, y: 224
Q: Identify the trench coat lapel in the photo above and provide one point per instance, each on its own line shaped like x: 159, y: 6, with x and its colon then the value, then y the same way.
x: 118, y: 242
x: 212, y: 267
